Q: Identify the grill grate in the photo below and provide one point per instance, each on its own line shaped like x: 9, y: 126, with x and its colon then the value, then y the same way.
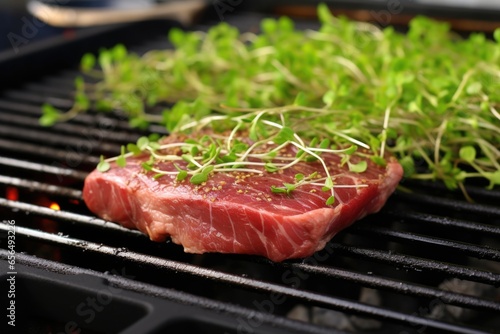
x: 404, y: 253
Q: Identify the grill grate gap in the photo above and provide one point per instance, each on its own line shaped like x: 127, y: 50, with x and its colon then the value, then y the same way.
x: 254, y: 285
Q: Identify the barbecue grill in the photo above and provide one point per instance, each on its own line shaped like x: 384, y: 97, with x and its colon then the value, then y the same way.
x: 428, y: 262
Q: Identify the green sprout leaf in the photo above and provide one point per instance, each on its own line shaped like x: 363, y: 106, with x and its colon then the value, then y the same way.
x: 181, y: 176
x: 278, y: 190
x: 104, y: 60
x: 360, y: 167
x: 154, y: 145
x: 300, y: 99
x: 88, y: 62
x: 299, y: 177
x: 289, y: 187
x: 103, y: 166
x: 328, y: 184
x: 474, y: 88
x: 351, y: 150
x: 408, y: 165
x: 284, y: 135
x: 119, y: 52
x: 202, y: 176
x: 324, y: 13
x: 50, y: 115
x: 134, y: 149
x: 494, y: 179
x: 270, y: 167
x: 496, y: 35
x: 142, y: 143
x: 198, y: 178
x: 121, y: 161
x: 468, y: 153
x: 325, y: 143
x: 328, y: 98
x: 147, y: 166
x: 378, y: 160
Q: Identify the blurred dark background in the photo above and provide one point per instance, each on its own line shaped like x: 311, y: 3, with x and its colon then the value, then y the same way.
x: 13, y: 16
x: 18, y: 29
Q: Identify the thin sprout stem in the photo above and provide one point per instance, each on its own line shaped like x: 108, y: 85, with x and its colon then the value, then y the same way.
x: 424, y: 155
x: 349, y: 138
x: 317, y: 157
x: 479, y: 169
x: 232, y: 134
x: 461, y: 87
x: 493, y: 156
x: 279, y: 126
x: 126, y: 155
x: 339, y: 186
x: 295, y: 161
x: 243, y: 170
x: 437, y: 146
x: 194, y: 162
x: 358, y: 74
x: 249, y: 163
x: 495, y: 112
x: 203, y: 122
x: 253, y: 146
x: 160, y: 171
x: 387, y: 114
x: 168, y: 157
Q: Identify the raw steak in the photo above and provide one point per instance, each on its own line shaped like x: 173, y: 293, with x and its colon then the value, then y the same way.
x: 236, y: 212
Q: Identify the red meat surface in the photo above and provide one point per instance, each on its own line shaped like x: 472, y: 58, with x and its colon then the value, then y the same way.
x: 236, y: 212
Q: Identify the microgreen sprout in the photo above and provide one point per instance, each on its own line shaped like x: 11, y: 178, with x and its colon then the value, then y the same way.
x: 103, y: 165
x: 276, y: 131
x: 427, y: 97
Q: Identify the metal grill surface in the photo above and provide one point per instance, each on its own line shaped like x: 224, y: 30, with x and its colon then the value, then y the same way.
x: 423, y: 242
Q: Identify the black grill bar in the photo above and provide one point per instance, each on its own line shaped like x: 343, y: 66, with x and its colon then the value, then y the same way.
x: 62, y: 92
x: 65, y: 216
x: 242, y: 282
x: 415, y: 263
x: 445, y: 221
x: 115, y: 120
x: 150, y: 324
x: 367, y: 280
x: 468, y: 249
x: 398, y: 286
x: 64, y: 79
x: 69, y: 157
x: 474, y: 191
x: 41, y: 187
x: 482, y: 252
x: 56, y: 139
x: 386, y: 257
x: 18, y: 119
x: 105, y: 128
x: 450, y: 204
x: 38, y: 99
x: 41, y: 168
x: 117, y: 123
x: 21, y: 108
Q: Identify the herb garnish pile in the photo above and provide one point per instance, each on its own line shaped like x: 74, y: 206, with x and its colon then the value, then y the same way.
x: 429, y: 97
